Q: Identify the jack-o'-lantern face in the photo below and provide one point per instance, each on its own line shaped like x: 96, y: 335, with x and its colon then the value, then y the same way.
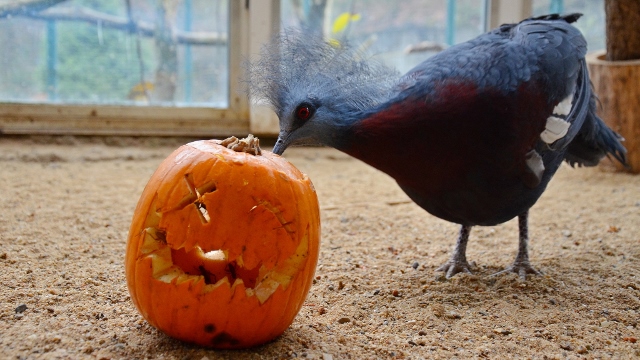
x: 223, y: 246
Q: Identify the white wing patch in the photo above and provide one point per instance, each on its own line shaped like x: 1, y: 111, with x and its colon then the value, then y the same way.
x: 535, y: 169
x: 564, y: 107
x: 557, y: 127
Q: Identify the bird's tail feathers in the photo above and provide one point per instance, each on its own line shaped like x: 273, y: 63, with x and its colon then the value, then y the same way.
x: 594, y: 141
x: 588, y: 152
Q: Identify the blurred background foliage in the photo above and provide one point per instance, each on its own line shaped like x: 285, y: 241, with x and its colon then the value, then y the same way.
x: 74, y: 60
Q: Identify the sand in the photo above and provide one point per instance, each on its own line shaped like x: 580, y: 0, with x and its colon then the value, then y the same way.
x: 67, y: 204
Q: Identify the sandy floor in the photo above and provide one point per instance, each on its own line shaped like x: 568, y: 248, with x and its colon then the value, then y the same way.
x: 66, y: 213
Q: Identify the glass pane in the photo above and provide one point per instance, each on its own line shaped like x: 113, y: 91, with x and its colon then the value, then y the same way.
x: 592, y: 22
x: 171, y: 52
x: 389, y: 28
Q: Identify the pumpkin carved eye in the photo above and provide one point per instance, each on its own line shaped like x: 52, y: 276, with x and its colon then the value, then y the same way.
x: 304, y: 111
x: 208, y: 245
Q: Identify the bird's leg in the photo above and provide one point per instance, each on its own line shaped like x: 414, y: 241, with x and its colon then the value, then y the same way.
x: 521, y: 265
x: 458, y: 262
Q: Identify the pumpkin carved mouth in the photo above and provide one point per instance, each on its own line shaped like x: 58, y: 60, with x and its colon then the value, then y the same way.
x: 213, y: 267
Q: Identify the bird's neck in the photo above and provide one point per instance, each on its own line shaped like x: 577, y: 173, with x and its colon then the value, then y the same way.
x: 345, y: 124
x: 416, y: 126
x: 373, y: 134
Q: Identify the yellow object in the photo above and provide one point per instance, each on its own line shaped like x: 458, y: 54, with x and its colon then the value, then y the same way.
x: 342, y: 21
x: 137, y: 92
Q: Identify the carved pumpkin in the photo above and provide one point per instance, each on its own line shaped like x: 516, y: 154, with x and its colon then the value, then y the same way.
x: 223, y: 245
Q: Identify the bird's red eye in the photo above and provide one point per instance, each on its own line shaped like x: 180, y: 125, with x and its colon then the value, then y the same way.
x: 304, y: 112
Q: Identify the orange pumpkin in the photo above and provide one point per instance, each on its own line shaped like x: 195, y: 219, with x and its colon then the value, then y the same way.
x: 223, y: 244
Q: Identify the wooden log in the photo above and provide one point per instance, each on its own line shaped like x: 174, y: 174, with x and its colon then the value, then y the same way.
x: 617, y: 85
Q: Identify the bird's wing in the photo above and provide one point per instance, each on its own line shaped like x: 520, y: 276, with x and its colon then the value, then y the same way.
x: 587, y: 138
x: 545, y: 51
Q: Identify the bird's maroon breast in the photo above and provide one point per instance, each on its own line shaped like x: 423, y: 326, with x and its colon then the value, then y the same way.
x: 457, y: 149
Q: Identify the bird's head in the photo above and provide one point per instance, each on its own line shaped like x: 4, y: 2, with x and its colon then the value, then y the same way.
x: 317, y: 88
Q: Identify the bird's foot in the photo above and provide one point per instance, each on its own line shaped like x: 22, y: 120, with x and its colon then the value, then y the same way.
x: 454, y: 266
x: 522, y: 268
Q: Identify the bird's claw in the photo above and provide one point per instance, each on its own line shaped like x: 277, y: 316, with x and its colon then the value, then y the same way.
x: 522, y: 268
x: 452, y: 267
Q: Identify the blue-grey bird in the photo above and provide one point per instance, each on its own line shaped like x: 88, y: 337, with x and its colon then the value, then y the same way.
x: 472, y: 135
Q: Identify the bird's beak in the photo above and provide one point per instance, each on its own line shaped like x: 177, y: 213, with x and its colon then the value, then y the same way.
x: 280, y: 145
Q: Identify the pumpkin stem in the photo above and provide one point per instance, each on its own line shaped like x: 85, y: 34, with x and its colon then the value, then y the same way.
x: 250, y: 144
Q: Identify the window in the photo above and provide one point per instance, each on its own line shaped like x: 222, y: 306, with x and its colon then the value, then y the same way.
x: 94, y: 52
x: 122, y: 66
